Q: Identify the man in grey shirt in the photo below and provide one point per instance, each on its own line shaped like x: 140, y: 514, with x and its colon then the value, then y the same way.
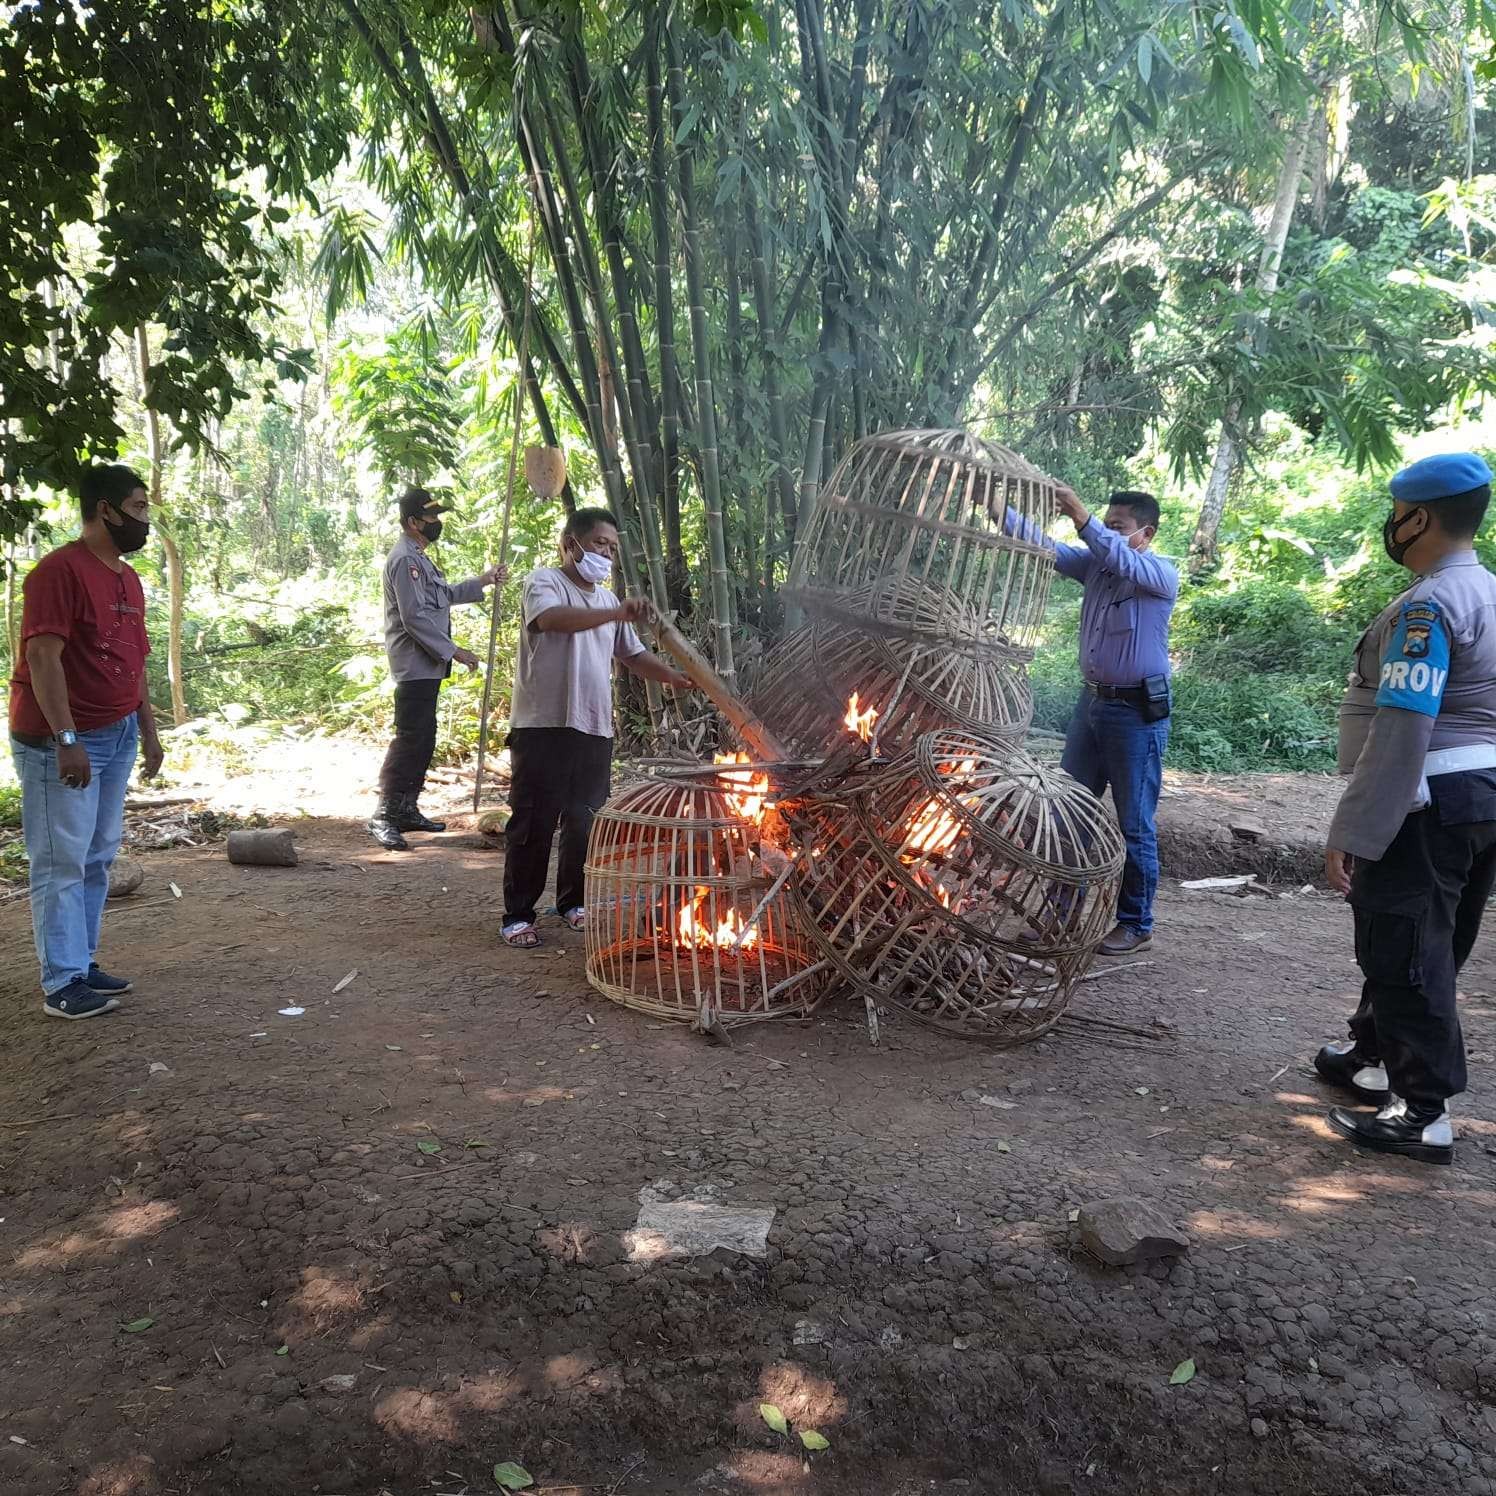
x: 561, y: 720
x: 1413, y: 842
x: 418, y: 641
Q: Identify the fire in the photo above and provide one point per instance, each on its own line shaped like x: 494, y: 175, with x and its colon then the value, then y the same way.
x: 692, y: 930
x: 860, y: 722
x: 935, y: 828
x: 749, y: 802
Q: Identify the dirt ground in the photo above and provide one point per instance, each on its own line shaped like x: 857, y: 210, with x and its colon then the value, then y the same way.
x: 384, y: 1243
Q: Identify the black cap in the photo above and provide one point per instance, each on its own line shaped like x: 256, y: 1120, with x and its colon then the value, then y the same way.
x: 416, y: 503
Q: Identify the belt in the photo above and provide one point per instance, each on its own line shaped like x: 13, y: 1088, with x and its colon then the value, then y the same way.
x: 31, y: 741
x: 1460, y: 760
x: 1115, y: 693
x: 1452, y: 761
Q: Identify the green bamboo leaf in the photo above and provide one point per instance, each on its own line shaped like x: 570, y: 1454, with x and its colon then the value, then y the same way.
x: 512, y: 1477
x: 774, y: 1418
x: 1145, y: 57
x: 1184, y: 1372
x: 812, y: 1439
x: 138, y: 1326
x: 429, y: 1145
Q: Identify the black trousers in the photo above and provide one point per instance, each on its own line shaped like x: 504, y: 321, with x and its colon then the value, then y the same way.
x: 559, y: 777
x: 409, y: 755
x: 1418, y: 910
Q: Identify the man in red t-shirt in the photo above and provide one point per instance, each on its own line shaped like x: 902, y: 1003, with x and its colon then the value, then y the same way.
x: 79, y: 713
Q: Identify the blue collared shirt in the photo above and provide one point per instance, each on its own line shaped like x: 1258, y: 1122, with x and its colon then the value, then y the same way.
x: 1130, y: 595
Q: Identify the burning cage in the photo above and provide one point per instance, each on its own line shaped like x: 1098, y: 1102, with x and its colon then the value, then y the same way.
x: 825, y: 678
x: 964, y: 883
x: 689, y: 916
x: 913, y: 855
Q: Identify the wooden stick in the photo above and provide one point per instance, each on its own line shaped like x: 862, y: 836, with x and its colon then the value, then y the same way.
x: 498, y: 591
x: 705, y: 679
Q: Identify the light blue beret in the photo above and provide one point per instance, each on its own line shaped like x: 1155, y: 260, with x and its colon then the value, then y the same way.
x: 1440, y: 477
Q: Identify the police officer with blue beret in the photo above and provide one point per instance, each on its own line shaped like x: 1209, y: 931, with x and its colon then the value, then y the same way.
x: 1413, y: 842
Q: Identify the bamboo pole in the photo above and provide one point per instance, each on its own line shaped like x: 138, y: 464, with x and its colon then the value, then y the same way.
x: 760, y: 740
x: 498, y: 591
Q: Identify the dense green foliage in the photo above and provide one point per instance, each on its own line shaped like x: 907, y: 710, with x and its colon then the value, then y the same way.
x: 742, y: 236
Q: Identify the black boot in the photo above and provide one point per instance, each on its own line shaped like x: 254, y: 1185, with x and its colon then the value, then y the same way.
x: 385, y: 827
x: 408, y: 816
x: 1343, y: 1065
x: 1418, y: 1130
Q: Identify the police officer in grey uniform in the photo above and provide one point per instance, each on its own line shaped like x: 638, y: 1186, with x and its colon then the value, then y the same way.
x: 417, y: 638
x: 1413, y: 841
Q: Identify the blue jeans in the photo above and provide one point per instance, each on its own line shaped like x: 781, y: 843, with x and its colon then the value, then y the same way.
x: 1109, y: 743
x: 71, y: 838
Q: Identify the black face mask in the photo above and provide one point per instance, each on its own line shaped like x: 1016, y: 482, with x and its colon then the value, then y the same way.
x: 1394, y: 547
x: 432, y: 530
x: 128, y: 533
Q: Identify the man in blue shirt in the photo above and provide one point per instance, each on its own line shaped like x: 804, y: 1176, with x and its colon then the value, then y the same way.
x: 1120, y: 727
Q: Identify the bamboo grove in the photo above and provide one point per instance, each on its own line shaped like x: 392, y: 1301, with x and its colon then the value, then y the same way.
x: 745, y: 237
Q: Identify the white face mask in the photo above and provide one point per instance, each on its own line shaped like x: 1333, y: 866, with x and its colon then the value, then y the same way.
x: 594, y: 568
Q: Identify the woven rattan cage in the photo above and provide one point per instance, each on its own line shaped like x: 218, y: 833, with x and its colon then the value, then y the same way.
x: 689, y: 914
x: 933, y: 509
x: 963, y: 883
x: 821, y: 675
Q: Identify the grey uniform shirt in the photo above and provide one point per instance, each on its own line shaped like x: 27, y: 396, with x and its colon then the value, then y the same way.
x: 1424, y: 680
x: 418, y: 613
x: 566, y: 680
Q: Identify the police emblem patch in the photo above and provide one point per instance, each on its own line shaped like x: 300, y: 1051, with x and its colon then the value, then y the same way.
x: 415, y: 573
x: 1415, y: 666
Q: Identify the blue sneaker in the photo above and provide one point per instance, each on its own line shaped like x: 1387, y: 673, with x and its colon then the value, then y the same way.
x: 78, y: 1000
x: 101, y: 981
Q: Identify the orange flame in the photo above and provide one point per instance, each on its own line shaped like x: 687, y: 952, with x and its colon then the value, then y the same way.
x: 935, y: 829
x: 860, y: 722
x: 749, y: 802
x: 691, y: 930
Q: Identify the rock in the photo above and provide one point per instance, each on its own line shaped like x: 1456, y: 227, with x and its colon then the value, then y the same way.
x: 1244, y: 828
x: 1259, y: 1428
x: 494, y: 822
x: 1119, y: 1232
x: 125, y: 877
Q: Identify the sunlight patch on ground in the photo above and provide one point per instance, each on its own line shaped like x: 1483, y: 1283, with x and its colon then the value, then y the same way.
x: 410, y: 1413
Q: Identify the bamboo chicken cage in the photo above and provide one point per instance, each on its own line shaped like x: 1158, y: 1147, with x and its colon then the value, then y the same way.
x: 963, y: 883
x: 943, y: 516
x: 831, y: 678
x: 689, y: 916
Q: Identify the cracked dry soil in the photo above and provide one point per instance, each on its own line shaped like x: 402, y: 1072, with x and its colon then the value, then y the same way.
x: 921, y: 1302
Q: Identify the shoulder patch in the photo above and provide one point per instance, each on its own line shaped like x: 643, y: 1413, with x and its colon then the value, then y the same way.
x: 1415, y: 666
x: 415, y: 573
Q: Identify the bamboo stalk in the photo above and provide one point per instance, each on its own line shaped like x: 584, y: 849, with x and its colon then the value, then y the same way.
x: 706, y: 415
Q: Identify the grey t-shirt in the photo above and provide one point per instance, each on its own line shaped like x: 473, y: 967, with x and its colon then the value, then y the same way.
x: 566, y: 680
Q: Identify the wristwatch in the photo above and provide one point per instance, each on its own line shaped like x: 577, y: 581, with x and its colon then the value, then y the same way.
x: 67, y: 738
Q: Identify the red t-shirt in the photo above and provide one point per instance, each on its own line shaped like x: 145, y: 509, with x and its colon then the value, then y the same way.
x: 100, y: 612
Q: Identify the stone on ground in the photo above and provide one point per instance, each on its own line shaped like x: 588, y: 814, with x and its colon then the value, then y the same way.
x: 1119, y: 1232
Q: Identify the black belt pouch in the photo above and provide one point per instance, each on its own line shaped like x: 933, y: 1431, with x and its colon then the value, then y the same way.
x: 1155, y: 698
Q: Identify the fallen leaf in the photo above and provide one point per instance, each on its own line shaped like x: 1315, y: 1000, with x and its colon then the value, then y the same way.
x: 285, y: 1350
x: 176, y: 892
x: 455, y: 1296
x: 773, y: 1417
x: 136, y: 1326
x: 813, y: 1440
x: 477, y: 1143
x: 1184, y: 1372
x: 429, y: 1145
x: 1004, y: 1148
x: 1142, y: 1090
x: 16, y: 1439
x: 345, y: 981
x: 512, y: 1477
